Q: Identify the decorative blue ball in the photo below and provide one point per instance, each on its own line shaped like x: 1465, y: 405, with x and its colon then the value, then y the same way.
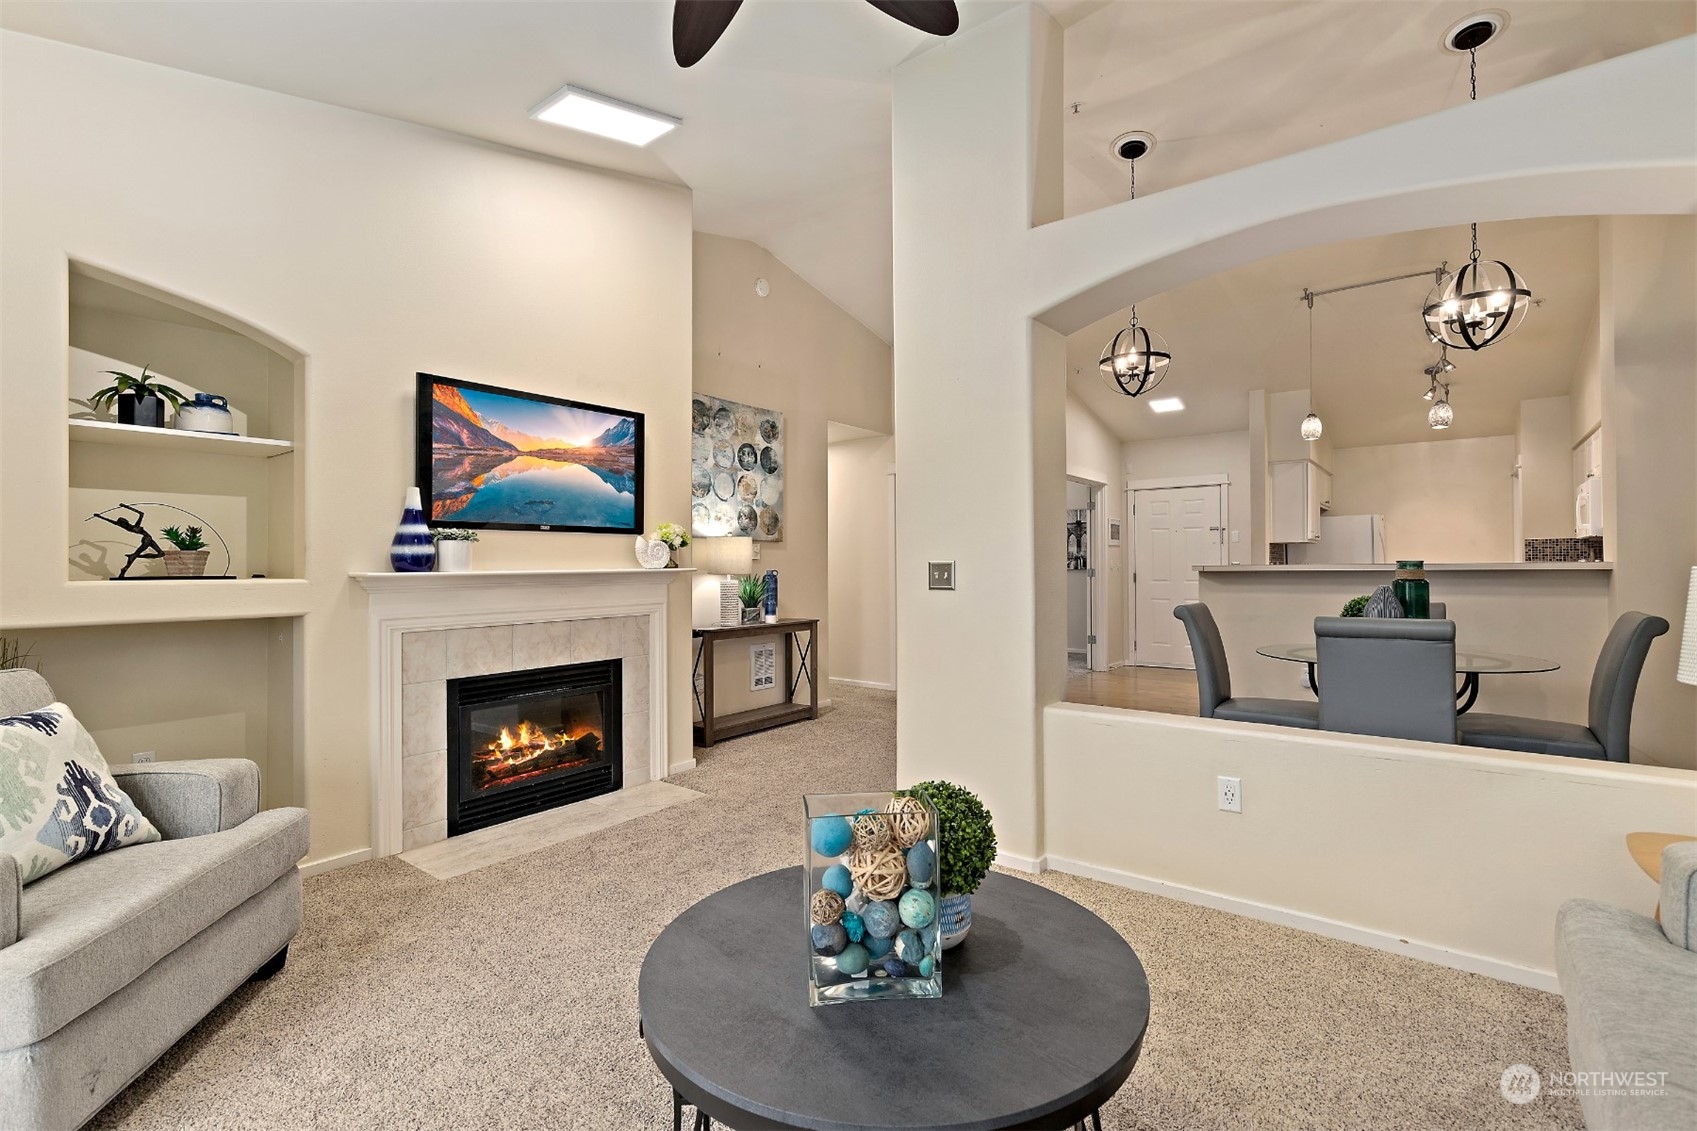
x: 921, y: 862
x: 855, y: 927
x: 832, y: 835
x: 918, y: 909
x: 837, y: 878
x: 908, y: 946
x: 882, y: 919
x: 829, y: 939
x: 854, y: 960
x: 926, y: 965
x: 895, y: 967
x: 877, y: 947
x: 928, y: 936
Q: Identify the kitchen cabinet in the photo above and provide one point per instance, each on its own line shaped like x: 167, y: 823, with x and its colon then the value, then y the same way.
x: 1301, y: 490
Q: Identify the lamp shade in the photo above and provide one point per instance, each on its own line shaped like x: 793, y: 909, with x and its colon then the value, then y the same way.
x: 733, y: 555
x: 1688, y: 651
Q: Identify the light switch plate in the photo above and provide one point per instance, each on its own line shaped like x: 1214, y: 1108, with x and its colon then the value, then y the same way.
x: 940, y: 575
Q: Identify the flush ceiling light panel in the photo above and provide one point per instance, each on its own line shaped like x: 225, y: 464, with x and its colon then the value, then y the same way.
x: 578, y: 109
x: 1166, y: 404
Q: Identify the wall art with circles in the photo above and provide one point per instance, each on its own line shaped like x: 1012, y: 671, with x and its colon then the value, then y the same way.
x: 736, y: 470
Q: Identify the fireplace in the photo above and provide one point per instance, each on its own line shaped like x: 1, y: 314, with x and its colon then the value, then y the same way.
x: 521, y: 742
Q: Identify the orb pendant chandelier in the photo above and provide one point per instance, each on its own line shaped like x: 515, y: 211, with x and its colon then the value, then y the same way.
x: 1486, y: 300
x: 1135, y: 361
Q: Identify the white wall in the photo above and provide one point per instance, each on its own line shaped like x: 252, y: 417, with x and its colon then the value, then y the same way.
x: 1443, y: 500
x: 375, y: 248
x: 1213, y: 454
x: 1543, y: 440
x: 862, y: 536
x: 1461, y: 857
x: 1094, y: 454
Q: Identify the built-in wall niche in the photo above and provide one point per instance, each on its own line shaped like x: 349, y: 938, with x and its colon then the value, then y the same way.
x: 201, y: 689
x: 247, y: 487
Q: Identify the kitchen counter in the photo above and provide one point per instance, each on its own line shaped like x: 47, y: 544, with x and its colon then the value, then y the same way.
x: 1430, y: 567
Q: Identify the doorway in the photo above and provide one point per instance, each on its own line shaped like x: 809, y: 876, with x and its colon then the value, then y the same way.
x: 1087, y: 607
x: 1174, y: 529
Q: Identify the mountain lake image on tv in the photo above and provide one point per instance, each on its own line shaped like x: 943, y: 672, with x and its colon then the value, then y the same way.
x: 503, y: 459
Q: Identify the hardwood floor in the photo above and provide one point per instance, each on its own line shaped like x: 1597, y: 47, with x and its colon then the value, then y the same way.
x: 1171, y: 691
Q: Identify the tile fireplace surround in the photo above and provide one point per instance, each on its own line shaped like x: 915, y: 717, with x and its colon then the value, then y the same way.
x: 427, y: 628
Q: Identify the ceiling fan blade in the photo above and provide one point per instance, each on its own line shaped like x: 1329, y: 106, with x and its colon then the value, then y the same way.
x: 697, y: 26
x: 935, y: 17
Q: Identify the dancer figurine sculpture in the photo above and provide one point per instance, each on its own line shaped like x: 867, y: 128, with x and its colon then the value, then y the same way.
x: 148, y: 547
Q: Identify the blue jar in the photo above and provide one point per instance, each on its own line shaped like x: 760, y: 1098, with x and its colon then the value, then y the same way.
x: 412, y: 551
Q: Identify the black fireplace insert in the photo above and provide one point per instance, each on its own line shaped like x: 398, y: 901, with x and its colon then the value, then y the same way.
x: 521, y: 742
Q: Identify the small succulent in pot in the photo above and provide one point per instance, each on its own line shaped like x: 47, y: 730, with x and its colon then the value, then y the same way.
x: 140, y: 400
x: 751, y: 591
x: 453, y: 548
x: 187, y: 557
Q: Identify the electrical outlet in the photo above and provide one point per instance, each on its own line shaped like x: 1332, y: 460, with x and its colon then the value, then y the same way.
x: 142, y: 758
x: 1231, y: 795
x: 941, y: 575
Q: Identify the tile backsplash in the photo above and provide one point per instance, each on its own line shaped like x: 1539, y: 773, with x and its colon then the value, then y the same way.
x: 1276, y: 554
x: 1565, y: 549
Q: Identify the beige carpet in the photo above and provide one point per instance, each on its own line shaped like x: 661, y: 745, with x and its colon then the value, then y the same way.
x: 505, y: 998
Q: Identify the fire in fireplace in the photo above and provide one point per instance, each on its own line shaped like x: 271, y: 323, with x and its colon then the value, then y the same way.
x: 521, y: 742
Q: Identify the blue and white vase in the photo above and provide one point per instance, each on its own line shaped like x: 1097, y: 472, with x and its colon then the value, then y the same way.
x: 412, y: 550
x: 770, y: 606
x: 954, y: 918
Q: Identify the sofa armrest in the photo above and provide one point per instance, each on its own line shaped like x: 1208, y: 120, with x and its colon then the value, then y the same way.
x: 1679, y: 894
x: 193, y: 798
x: 11, y: 900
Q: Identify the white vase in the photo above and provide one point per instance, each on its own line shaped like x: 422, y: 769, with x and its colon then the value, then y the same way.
x: 453, y: 557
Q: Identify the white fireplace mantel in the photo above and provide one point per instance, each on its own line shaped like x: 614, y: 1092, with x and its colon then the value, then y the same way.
x: 400, y: 603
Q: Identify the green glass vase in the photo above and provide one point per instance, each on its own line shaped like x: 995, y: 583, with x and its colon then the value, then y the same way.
x: 1412, y: 590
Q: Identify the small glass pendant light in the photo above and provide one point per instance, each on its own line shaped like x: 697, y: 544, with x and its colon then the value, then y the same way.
x: 1312, y: 427
x: 1441, y: 415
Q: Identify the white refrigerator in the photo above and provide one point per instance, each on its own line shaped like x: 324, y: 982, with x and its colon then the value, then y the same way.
x: 1344, y: 539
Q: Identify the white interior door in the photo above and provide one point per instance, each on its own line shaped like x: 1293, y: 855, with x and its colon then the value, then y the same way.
x: 1173, y: 530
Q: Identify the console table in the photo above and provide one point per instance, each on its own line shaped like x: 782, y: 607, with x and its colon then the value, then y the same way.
x: 798, y: 656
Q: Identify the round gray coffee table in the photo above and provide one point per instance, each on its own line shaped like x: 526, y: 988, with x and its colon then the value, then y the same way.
x: 1041, y: 1019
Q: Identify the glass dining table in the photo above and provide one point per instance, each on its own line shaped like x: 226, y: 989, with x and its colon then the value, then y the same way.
x: 1470, y: 664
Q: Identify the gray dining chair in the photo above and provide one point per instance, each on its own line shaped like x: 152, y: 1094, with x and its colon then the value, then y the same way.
x: 1614, y: 684
x: 1214, y: 681
x: 1390, y: 677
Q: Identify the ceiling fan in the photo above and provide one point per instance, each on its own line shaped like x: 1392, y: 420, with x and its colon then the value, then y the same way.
x: 698, y: 24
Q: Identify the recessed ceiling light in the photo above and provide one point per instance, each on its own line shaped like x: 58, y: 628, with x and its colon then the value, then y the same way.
x: 579, y: 109
x: 1166, y: 404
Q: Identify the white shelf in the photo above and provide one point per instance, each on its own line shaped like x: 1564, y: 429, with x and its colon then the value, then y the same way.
x: 382, y: 582
x: 171, y: 440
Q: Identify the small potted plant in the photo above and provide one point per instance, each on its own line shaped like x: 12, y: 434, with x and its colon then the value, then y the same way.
x: 751, y: 591
x: 188, y: 556
x: 674, y: 536
x: 1354, y: 607
x: 140, y: 400
x: 968, y: 849
x: 453, y: 549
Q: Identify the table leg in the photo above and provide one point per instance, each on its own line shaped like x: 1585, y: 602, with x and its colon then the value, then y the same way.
x: 707, y: 709
x: 695, y: 675
x: 1469, y: 689
x: 1314, y: 679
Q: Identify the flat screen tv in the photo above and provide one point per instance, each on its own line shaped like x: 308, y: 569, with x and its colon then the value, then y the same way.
x: 500, y: 459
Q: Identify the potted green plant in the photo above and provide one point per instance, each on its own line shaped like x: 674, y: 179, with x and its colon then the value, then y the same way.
x: 751, y: 591
x: 453, y: 549
x: 15, y: 653
x: 1354, y: 607
x: 673, y: 536
x: 967, y: 842
x: 140, y: 400
x: 188, y: 556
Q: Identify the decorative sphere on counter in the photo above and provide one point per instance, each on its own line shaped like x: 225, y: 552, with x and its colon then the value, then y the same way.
x: 880, y: 874
x: 909, y: 821
x: 854, y: 926
x: 928, y: 936
x: 827, y: 906
x: 882, y: 919
x: 908, y: 947
x: 917, y: 908
x: 832, y: 835
x: 921, y: 863
x: 829, y: 939
x: 854, y: 960
x: 837, y: 878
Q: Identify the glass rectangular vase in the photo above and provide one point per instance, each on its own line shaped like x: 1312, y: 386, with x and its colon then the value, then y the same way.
x: 871, y: 843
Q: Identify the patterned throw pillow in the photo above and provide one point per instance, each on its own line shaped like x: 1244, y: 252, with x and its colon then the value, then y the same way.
x: 58, y: 800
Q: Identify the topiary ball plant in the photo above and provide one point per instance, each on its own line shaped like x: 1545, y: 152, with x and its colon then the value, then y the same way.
x: 966, y: 834
x: 1354, y: 607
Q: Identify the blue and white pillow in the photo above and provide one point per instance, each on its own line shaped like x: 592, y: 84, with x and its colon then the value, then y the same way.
x: 58, y: 800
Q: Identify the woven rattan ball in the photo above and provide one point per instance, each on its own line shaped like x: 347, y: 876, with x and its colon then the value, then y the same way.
x: 871, y: 832
x: 827, y: 906
x: 909, y: 821
x: 881, y: 874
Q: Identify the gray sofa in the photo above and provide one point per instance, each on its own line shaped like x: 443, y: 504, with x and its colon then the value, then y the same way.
x: 1631, y: 991
x: 106, y: 963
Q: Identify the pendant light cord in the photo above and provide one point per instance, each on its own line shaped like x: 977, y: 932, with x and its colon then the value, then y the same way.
x: 1132, y: 165
x: 1311, y: 357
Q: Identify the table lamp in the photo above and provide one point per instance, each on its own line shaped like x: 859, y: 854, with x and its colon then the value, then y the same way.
x: 1688, y: 651
x: 732, y: 557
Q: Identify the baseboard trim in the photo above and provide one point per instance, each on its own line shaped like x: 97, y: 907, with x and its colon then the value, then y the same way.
x: 682, y: 767
x: 1033, y: 866
x: 873, y: 684
x: 333, y: 863
x: 1314, y: 924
